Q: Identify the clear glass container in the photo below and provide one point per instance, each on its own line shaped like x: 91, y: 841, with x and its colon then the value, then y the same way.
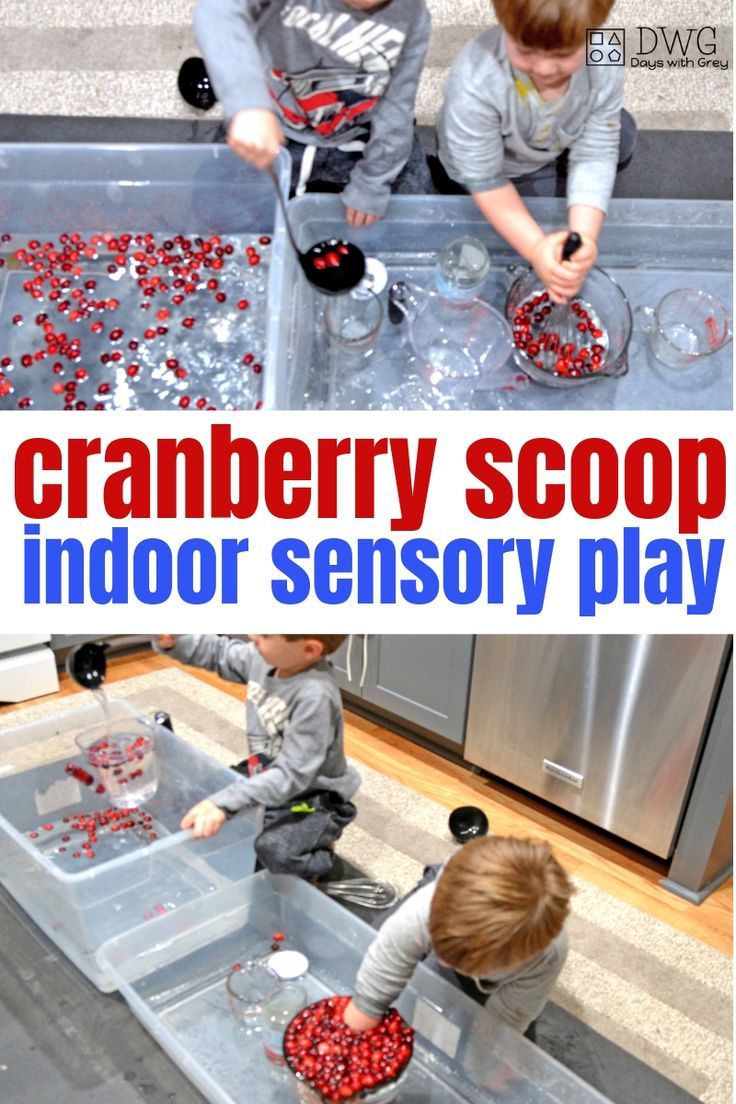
x: 459, y: 340
x: 279, y: 1009
x: 123, y: 760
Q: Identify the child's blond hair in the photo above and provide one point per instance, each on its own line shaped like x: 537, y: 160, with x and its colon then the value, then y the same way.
x: 551, y: 24
x: 499, y: 901
x: 329, y: 644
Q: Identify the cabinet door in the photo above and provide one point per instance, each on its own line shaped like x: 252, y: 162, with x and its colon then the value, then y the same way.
x: 344, y: 661
x: 422, y: 679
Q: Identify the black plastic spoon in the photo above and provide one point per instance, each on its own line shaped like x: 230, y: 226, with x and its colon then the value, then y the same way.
x: 333, y: 266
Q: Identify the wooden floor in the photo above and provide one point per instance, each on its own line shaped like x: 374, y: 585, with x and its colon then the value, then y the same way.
x: 616, y: 868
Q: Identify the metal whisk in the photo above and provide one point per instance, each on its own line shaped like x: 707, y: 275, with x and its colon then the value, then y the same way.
x: 561, y: 324
x: 363, y: 891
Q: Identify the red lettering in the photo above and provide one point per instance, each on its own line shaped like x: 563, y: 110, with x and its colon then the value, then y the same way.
x: 327, y: 455
x: 25, y: 481
x: 224, y: 451
x: 77, y: 490
x: 127, y: 492
x: 501, y: 494
x: 287, y: 460
x: 594, y: 496
x: 529, y: 477
x: 366, y: 450
x: 707, y: 453
x: 635, y: 470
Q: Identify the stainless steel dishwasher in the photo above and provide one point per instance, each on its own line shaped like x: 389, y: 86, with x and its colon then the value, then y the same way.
x: 608, y: 727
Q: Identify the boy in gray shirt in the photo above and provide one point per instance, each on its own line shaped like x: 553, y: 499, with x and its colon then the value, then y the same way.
x: 493, y: 920
x: 296, y: 766
x: 340, y: 75
x: 519, y: 96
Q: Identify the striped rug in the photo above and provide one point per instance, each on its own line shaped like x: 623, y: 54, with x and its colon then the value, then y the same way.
x: 121, y: 59
x: 653, y: 991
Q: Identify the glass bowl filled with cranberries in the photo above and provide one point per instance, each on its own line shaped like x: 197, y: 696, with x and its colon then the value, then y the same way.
x: 330, y: 1064
x: 573, y: 345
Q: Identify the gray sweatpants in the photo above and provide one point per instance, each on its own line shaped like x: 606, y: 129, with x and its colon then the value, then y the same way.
x: 297, y: 838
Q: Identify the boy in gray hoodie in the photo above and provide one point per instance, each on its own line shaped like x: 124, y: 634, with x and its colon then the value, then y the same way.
x: 518, y: 97
x: 333, y: 75
x: 296, y: 766
x: 494, y: 921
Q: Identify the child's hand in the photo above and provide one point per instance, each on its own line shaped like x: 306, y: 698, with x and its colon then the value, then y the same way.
x: 204, y: 818
x: 582, y: 261
x: 256, y: 135
x: 357, y: 1020
x: 359, y: 218
x: 166, y: 641
x: 560, y: 278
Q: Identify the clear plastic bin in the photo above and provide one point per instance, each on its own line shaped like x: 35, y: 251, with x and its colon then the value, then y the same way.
x: 81, y: 902
x: 172, y: 973
x: 647, y: 246
x: 47, y: 190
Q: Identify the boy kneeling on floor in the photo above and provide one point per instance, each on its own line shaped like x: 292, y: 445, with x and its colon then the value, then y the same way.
x: 493, y: 916
x: 296, y: 766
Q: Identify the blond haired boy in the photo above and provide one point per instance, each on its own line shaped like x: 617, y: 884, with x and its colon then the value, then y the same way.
x: 495, y: 916
x: 518, y: 97
x: 296, y: 766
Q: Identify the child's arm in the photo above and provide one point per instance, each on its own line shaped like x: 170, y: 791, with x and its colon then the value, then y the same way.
x: 402, y: 942
x: 224, y: 30
x: 592, y: 161
x: 367, y: 193
x: 307, y: 736
x: 231, y: 659
x: 507, y: 213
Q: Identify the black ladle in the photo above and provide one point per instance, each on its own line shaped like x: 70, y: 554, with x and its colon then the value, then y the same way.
x: 333, y: 266
x: 87, y: 665
x: 467, y: 822
x: 194, y: 84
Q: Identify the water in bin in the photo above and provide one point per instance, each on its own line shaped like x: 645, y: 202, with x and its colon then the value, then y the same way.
x: 459, y: 340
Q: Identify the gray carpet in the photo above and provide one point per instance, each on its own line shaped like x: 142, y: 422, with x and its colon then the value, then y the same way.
x: 122, y: 59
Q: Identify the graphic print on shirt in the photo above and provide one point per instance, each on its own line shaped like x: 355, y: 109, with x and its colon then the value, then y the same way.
x: 330, y: 98
x: 273, y: 713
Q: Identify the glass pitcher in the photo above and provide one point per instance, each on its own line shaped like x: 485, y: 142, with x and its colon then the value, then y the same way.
x: 457, y: 338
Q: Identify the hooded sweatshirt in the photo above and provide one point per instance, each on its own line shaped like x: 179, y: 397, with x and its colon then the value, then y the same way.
x: 326, y: 70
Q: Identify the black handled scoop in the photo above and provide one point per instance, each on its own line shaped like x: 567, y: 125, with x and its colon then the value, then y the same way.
x: 332, y: 266
x: 87, y: 665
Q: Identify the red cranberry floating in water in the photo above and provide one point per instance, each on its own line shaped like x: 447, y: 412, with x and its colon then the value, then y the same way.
x: 332, y: 269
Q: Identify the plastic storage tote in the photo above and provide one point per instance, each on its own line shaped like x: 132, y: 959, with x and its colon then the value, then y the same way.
x: 139, y: 867
x: 647, y: 246
x: 164, y: 193
x: 173, y: 975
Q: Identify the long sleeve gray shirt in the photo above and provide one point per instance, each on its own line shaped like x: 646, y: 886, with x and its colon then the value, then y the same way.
x: 517, y: 995
x: 326, y: 70
x: 297, y: 722
x: 493, y: 124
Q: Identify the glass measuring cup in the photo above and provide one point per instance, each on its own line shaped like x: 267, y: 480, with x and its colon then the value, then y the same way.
x: 686, y: 325
x: 354, y: 320
x: 248, y: 986
x: 122, y: 756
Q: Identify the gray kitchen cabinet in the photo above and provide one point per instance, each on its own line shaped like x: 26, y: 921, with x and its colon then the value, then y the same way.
x: 422, y: 680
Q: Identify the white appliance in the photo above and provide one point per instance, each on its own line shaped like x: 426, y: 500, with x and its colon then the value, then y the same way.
x: 27, y: 667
